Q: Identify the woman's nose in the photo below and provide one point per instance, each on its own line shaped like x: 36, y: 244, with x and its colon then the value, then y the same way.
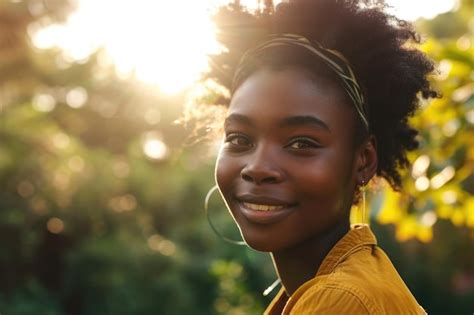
x: 260, y: 170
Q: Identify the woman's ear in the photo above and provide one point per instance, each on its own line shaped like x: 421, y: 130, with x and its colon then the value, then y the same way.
x: 367, y: 160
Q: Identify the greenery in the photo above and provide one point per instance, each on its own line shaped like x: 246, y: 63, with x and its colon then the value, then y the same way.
x: 91, y: 224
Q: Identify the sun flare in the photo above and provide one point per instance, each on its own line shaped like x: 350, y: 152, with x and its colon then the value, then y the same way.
x: 161, y: 42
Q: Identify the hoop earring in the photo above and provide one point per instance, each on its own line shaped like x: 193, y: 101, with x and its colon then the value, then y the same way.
x: 208, y: 216
x: 228, y: 240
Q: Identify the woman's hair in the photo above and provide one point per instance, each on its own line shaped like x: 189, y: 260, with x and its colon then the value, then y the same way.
x: 379, y: 47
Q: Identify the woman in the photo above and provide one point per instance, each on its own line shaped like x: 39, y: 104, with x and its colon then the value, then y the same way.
x: 319, y: 106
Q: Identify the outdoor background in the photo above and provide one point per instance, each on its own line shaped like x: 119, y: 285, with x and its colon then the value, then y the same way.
x: 102, y: 190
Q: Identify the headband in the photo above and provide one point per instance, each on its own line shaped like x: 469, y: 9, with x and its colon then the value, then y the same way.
x: 334, y: 59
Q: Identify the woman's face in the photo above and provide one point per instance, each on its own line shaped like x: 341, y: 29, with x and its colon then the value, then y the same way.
x: 287, y: 168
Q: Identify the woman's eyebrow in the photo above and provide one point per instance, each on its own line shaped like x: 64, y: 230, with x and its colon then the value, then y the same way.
x: 304, y: 120
x: 238, y: 118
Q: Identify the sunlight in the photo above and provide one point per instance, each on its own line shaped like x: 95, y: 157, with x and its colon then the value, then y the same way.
x: 163, y: 43
x: 153, y: 146
x: 411, y: 10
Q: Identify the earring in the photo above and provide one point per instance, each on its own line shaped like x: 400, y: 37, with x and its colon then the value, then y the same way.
x: 364, y: 189
x: 208, y: 216
x: 228, y: 240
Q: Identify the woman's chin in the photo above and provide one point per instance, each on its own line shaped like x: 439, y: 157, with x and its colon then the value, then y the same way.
x: 262, y: 244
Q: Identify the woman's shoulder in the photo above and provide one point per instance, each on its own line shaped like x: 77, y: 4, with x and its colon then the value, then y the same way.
x: 365, y: 282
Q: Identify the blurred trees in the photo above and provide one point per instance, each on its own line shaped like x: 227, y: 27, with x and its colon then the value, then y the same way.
x: 440, y: 183
x: 101, y: 209
x: 101, y: 203
x: 437, y: 204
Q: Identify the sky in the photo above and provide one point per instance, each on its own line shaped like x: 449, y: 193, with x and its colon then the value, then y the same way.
x: 133, y: 32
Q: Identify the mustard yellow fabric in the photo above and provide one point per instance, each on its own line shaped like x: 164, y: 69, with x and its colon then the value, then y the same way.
x: 356, y: 277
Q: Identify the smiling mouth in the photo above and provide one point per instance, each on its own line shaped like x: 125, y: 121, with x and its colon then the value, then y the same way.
x: 261, y: 207
x: 263, y: 213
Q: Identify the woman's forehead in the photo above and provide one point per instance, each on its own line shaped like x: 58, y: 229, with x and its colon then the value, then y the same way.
x: 279, y: 94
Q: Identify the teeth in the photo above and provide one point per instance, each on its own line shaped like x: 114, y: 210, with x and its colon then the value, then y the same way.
x: 256, y: 207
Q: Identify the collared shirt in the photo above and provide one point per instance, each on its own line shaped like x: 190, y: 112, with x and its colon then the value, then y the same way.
x: 356, y: 277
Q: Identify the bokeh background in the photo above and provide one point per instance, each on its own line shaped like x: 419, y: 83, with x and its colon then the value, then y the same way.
x: 102, y: 185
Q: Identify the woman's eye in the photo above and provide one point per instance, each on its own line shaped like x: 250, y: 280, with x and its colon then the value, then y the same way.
x: 236, y: 140
x: 303, y: 143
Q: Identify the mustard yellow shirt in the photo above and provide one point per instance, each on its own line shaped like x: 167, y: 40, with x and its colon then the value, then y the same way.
x: 356, y: 277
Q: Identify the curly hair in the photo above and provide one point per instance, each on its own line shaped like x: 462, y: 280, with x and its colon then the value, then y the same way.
x: 381, y: 49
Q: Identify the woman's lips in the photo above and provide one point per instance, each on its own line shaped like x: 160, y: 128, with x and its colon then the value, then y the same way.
x: 264, y: 213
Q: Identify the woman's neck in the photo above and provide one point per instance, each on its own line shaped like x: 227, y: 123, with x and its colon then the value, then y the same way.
x: 299, y: 264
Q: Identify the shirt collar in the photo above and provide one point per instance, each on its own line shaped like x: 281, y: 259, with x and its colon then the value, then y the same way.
x: 358, y: 236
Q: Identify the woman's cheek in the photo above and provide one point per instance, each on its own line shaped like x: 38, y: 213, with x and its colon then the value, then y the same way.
x: 319, y: 183
x: 225, y: 173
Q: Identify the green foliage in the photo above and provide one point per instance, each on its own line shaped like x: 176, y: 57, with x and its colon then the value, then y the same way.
x: 440, y: 184
x: 437, y: 203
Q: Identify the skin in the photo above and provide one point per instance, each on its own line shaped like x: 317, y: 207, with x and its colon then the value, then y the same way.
x: 307, y: 167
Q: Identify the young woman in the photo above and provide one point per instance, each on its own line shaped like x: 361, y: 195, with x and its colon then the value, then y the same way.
x: 319, y: 106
